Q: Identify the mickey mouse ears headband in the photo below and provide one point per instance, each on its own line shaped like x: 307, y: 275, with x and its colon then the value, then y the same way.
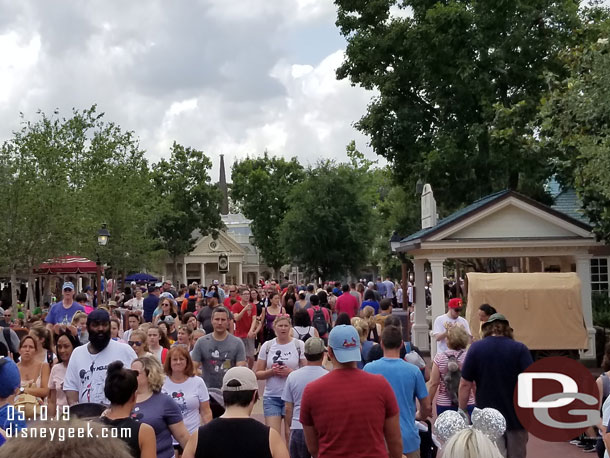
x: 489, y: 421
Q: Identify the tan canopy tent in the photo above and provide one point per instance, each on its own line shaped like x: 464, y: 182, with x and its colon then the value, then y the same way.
x: 544, y: 309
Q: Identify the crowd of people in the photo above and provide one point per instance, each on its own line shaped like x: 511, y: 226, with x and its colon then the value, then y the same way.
x: 181, y: 369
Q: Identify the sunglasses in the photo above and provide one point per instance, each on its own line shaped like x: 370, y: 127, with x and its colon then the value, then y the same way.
x: 232, y: 291
x: 458, y: 309
x: 132, y: 343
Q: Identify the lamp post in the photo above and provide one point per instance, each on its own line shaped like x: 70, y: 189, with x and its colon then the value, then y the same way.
x: 102, y: 240
x: 394, y: 245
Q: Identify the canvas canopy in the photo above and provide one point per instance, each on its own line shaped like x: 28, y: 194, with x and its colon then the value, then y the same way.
x: 66, y: 265
x: 544, y: 309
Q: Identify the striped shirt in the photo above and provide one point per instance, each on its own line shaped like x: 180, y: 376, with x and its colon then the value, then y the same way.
x: 443, y: 398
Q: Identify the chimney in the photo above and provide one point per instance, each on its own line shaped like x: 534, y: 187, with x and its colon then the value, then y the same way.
x: 428, y: 208
x: 222, y: 185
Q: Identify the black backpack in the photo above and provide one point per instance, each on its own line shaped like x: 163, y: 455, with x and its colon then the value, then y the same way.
x: 303, y: 337
x: 9, y: 344
x: 190, y: 305
x: 319, y: 322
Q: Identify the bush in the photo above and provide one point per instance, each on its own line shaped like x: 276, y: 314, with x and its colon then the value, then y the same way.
x: 601, y: 309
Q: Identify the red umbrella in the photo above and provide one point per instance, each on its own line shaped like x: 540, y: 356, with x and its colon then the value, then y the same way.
x: 66, y: 265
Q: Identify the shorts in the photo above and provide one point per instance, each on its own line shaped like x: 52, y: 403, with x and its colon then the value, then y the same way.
x: 274, y: 406
x: 249, y: 344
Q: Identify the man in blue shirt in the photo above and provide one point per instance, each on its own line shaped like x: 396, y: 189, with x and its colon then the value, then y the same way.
x: 408, y: 383
x: 381, y: 289
x: 494, y: 364
x: 62, y: 312
x: 151, y: 302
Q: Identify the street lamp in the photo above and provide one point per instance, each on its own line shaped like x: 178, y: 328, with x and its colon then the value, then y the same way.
x: 394, y: 246
x: 102, y: 240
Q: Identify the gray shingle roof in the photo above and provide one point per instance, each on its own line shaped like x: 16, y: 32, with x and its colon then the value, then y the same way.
x: 568, y: 203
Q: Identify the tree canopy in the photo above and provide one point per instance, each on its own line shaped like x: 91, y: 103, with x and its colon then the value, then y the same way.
x: 459, y: 85
x: 260, y: 189
x: 328, y: 228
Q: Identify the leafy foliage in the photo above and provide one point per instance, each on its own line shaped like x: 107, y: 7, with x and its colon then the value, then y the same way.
x: 335, y: 236
x: 575, y: 121
x: 459, y: 83
x: 260, y: 189
x: 190, y: 203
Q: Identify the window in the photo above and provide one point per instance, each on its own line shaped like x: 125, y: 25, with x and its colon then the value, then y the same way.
x: 599, y: 275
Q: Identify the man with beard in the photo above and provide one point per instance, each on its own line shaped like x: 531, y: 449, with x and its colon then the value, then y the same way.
x: 86, y: 372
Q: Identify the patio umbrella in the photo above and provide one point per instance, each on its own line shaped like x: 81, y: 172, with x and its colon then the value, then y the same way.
x: 141, y: 277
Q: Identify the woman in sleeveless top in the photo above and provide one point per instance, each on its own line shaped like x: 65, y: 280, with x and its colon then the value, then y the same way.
x: 302, y: 328
x: 120, y: 389
x: 34, y: 374
x: 269, y: 314
x: 217, y: 438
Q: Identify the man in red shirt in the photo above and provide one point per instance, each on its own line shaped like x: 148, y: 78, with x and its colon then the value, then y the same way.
x: 349, y: 412
x: 232, y: 295
x: 346, y: 303
x: 243, y: 314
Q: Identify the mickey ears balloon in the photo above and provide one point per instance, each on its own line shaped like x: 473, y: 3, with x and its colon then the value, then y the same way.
x: 489, y: 421
x: 448, y: 423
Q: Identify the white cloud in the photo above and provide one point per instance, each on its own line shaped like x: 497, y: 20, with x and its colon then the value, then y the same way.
x: 226, y: 76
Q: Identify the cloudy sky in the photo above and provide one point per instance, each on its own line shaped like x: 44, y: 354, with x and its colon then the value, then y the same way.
x: 225, y: 76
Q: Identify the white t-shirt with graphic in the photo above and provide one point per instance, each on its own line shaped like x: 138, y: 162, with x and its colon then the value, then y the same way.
x: 188, y: 395
x: 441, y: 324
x: 86, y: 373
x: 287, y: 354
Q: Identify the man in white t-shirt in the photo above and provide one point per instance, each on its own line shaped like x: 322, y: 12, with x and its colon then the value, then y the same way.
x: 86, y: 371
x: 293, y: 392
x: 444, y: 322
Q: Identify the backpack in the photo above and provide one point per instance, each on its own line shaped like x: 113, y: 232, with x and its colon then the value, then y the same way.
x: 303, y: 337
x: 190, y: 305
x: 452, y: 377
x: 319, y: 321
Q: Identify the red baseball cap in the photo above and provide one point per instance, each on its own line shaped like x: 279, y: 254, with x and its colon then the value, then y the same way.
x: 455, y: 303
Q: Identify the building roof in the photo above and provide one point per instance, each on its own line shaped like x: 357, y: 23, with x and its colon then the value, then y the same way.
x: 568, y: 203
x: 484, y: 202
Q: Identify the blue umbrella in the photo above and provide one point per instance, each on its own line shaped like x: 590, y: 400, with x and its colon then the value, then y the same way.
x: 141, y: 277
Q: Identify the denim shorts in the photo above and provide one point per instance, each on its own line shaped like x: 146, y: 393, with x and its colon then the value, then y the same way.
x: 273, y: 406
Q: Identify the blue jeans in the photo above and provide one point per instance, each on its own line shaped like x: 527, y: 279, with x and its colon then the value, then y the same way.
x: 273, y: 406
x: 298, y: 447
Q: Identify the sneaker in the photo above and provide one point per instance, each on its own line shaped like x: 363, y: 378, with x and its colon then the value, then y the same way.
x: 575, y: 441
x: 589, y: 448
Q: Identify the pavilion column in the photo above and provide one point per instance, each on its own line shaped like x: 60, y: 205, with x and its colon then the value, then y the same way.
x: 240, y: 273
x: 184, y: 279
x: 583, y: 269
x: 202, y: 275
x: 419, y: 330
x: 438, y: 294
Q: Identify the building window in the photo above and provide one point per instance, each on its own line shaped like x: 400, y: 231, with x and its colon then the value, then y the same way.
x: 599, y: 275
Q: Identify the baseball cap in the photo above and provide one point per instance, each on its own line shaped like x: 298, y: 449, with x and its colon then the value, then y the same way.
x: 455, y: 303
x: 245, y: 377
x: 345, y: 342
x: 10, y: 379
x: 314, y: 346
x: 98, y: 315
x: 68, y: 285
x: 215, y: 282
x: 168, y: 295
x: 495, y: 317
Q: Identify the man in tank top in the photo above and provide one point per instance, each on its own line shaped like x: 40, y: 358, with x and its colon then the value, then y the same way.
x: 217, y: 438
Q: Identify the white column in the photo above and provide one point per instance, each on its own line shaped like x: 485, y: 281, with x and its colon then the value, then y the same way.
x: 583, y: 269
x: 202, y: 275
x: 420, y: 327
x: 240, y: 273
x: 184, y: 279
x: 438, y: 294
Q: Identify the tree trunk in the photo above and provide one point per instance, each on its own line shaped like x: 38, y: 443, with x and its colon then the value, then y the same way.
x: 13, y: 288
x: 174, y: 270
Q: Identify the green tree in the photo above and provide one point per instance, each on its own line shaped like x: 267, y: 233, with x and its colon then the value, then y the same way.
x: 190, y: 204
x: 335, y: 237
x: 260, y: 189
x: 459, y: 83
x: 575, y: 123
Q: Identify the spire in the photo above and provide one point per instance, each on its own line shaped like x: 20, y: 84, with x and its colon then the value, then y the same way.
x: 222, y: 184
